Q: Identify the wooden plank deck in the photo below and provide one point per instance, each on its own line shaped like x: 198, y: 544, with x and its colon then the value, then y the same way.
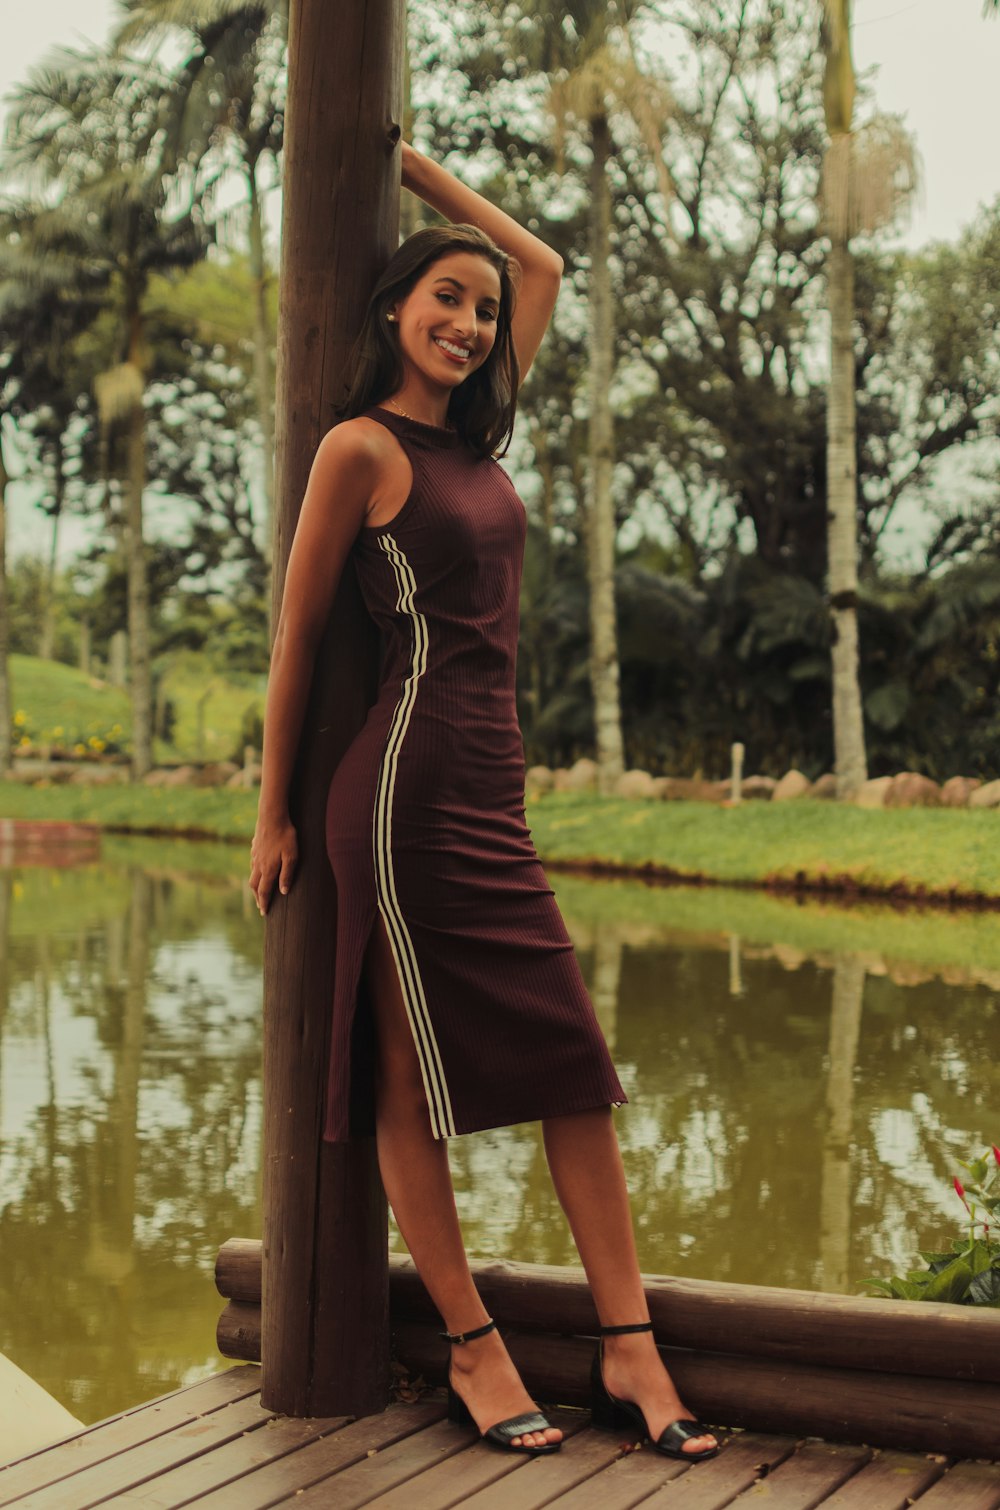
x: 213, y: 1445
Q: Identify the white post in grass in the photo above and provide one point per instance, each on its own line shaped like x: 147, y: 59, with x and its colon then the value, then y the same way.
x: 736, y: 787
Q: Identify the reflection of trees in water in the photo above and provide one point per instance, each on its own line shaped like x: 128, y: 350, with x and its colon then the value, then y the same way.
x: 135, y: 1017
x: 141, y: 1153
x: 928, y: 1090
x: 755, y: 1141
x: 836, y: 1190
x: 605, y: 981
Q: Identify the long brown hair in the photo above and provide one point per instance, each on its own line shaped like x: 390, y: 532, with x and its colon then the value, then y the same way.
x: 481, y: 408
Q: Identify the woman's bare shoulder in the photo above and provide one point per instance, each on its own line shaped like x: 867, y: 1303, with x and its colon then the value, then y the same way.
x: 358, y: 439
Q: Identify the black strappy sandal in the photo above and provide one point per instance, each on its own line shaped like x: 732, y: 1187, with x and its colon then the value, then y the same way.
x: 503, y: 1432
x: 611, y: 1414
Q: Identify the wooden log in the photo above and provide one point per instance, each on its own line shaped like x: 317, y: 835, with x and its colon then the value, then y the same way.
x: 850, y: 1405
x: 325, y: 1289
x: 793, y: 1326
x: 237, y: 1334
x: 237, y: 1269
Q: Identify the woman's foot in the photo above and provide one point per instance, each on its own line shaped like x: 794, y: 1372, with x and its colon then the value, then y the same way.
x: 484, y: 1377
x: 633, y: 1370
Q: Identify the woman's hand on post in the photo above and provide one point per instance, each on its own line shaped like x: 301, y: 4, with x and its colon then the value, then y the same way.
x: 274, y: 855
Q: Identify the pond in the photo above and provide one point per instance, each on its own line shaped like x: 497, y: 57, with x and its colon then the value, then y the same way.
x: 802, y: 1079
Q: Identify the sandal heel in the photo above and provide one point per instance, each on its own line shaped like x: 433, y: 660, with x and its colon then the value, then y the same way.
x: 606, y: 1413
x: 458, y: 1412
x: 608, y: 1416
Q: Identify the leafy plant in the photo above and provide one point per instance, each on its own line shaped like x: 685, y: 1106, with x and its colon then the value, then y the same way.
x: 968, y: 1273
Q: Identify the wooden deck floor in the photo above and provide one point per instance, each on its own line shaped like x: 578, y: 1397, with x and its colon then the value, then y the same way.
x: 213, y: 1445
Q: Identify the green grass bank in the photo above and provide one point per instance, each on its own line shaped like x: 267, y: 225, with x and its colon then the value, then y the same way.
x: 936, y: 854
x: 59, y: 706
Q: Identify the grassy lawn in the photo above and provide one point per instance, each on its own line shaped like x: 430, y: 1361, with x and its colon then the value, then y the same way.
x: 223, y: 699
x: 934, y: 848
x: 938, y: 850
x: 57, y: 705
x: 212, y: 811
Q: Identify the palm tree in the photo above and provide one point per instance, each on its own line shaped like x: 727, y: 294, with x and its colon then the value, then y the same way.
x: 586, y: 46
x: 45, y: 301
x: 228, y: 94
x: 83, y: 130
x: 868, y: 176
x: 43, y: 395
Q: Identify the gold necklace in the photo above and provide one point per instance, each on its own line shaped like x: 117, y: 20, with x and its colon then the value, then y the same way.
x: 398, y: 409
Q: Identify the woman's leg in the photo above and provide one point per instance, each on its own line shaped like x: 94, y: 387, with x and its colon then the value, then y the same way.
x: 417, y: 1180
x: 587, y: 1171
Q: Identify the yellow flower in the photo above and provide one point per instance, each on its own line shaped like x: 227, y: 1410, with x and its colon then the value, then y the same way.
x: 79, y: 749
x: 116, y: 729
x: 95, y: 743
x: 57, y: 731
x: 24, y: 741
x: 20, y: 717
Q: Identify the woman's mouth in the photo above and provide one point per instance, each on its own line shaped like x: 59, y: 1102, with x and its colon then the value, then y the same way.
x: 452, y: 349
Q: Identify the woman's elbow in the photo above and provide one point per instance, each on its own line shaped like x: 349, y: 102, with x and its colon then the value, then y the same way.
x: 294, y: 639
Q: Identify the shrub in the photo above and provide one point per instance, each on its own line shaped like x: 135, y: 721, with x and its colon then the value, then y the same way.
x: 968, y: 1272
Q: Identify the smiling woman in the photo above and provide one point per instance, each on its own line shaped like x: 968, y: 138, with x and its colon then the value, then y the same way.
x: 458, y: 1001
x: 441, y: 341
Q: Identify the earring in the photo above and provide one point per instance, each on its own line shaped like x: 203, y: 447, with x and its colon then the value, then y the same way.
x: 391, y: 317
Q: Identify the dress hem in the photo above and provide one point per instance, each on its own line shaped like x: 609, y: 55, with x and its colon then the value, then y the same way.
x: 586, y: 1105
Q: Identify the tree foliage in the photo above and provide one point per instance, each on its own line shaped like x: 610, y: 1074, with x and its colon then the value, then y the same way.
x: 718, y: 391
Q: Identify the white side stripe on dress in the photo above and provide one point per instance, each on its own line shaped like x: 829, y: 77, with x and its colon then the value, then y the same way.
x: 411, y: 985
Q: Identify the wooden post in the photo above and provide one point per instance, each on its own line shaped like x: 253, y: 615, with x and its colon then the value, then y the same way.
x: 325, y: 1284
x: 736, y: 784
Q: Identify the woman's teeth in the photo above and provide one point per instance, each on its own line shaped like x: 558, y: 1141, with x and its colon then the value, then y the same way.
x: 460, y: 352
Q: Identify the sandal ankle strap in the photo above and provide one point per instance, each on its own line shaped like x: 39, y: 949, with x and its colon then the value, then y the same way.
x: 457, y: 1338
x: 619, y: 1331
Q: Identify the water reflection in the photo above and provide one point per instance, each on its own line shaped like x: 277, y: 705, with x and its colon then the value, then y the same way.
x: 801, y: 1082
x: 130, y: 1117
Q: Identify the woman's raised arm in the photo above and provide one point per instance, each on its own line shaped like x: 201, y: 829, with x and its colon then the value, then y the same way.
x: 541, y: 267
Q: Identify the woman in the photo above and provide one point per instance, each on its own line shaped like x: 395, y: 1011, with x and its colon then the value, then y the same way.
x: 458, y: 1002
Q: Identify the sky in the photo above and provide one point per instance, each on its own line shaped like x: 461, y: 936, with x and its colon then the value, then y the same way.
x: 936, y: 63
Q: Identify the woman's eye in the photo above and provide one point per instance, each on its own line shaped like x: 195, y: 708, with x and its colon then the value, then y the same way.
x: 447, y: 298
x: 487, y: 314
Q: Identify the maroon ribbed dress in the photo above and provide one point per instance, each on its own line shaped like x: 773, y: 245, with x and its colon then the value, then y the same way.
x: 425, y: 823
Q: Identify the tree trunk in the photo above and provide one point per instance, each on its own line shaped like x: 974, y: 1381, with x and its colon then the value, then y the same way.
x: 326, y: 1295
x: 601, y: 451
x: 48, y: 638
x: 84, y: 656
x: 138, y: 582
x: 5, y: 701
x: 262, y: 345
x: 850, y: 762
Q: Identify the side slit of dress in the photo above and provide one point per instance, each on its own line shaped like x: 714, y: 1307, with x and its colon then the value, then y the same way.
x: 379, y: 980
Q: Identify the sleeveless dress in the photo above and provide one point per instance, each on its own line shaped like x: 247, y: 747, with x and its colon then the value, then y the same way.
x: 425, y: 823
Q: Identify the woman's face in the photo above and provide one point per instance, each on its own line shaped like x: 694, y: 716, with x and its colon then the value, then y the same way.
x: 448, y: 320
